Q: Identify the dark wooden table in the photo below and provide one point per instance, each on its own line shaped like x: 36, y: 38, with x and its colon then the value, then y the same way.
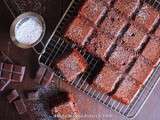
x: 86, y: 105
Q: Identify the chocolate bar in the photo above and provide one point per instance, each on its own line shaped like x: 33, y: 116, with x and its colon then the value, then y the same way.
x: 40, y: 74
x: 44, y: 76
x: 12, y: 72
x: 20, y: 106
x: 12, y: 96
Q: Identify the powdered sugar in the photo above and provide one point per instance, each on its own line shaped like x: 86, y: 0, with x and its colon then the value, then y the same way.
x: 28, y: 30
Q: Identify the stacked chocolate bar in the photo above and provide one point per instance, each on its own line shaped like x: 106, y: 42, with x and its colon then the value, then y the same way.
x: 125, y: 35
x: 10, y: 73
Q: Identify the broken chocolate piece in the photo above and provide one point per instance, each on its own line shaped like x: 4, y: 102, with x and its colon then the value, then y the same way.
x: 20, y: 106
x: 4, y: 84
x: 12, y: 96
x: 33, y: 95
x: 40, y: 74
x: 47, y: 79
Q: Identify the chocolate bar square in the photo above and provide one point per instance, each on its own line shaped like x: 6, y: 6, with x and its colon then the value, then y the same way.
x: 40, y: 74
x: 47, y: 79
x: 12, y: 96
x: 20, y: 106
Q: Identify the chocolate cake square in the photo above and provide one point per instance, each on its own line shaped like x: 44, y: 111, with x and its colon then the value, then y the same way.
x: 93, y: 10
x: 100, y: 45
x: 67, y: 110
x: 141, y: 70
x: 121, y: 57
x: 152, y: 50
x: 133, y: 37
x: 107, y: 78
x: 72, y: 65
x: 7, y: 70
x: 113, y: 23
x: 127, y: 7
x: 127, y: 90
x: 47, y: 79
x: 79, y: 30
x: 146, y: 16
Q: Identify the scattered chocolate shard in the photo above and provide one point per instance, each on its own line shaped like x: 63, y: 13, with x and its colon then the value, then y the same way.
x: 40, y: 74
x: 12, y: 96
x: 47, y: 79
x: 33, y: 95
x: 20, y: 106
x: 3, y: 84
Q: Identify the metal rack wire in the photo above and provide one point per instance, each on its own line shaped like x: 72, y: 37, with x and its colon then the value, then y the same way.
x: 57, y: 45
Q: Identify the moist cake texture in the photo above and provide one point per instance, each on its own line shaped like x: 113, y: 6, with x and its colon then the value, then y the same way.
x: 72, y: 65
x: 121, y: 57
x: 146, y: 16
x: 93, y: 10
x: 127, y: 7
x: 79, y: 30
x: 107, y: 78
x: 141, y: 70
x: 133, y: 37
x: 152, y: 50
x: 113, y: 23
x: 100, y: 45
x: 127, y: 90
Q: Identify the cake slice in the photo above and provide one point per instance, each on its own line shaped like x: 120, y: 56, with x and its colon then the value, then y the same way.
x: 152, y: 50
x: 67, y: 110
x: 141, y: 70
x: 100, y: 45
x: 133, y: 37
x: 107, y: 78
x: 72, y: 65
x: 121, y: 57
x: 113, y: 23
x: 127, y: 7
x: 146, y: 16
x: 93, y: 10
x: 79, y: 30
x: 127, y: 90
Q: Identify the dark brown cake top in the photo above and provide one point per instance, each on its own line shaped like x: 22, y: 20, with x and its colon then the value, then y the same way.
x: 79, y: 30
x: 127, y: 90
x: 107, y: 78
x: 93, y: 10
x: 72, y: 65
